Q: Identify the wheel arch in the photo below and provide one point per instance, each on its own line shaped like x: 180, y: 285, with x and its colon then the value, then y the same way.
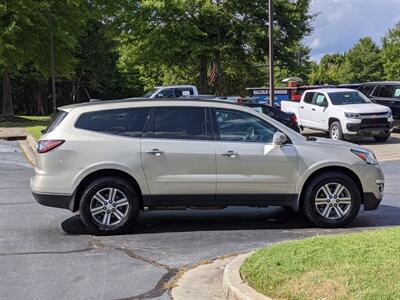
x: 331, y: 120
x: 104, y: 173
x: 339, y: 169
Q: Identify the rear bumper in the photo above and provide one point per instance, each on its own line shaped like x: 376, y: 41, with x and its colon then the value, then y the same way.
x: 371, y: 202
x: 55, y: 200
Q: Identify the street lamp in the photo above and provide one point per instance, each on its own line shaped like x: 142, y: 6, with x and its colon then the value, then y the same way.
x: 271, y: 53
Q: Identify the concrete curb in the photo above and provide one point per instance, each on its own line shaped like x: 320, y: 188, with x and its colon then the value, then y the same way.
x: 28, y: 149
x: 234, y: 287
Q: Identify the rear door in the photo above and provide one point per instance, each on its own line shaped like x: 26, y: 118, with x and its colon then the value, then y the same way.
x: 306, y: 107
x: 178, y: 157
x: 250, y: 169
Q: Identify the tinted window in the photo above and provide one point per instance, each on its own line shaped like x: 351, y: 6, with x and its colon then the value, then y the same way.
x: 56, y: 121
x: 308, y: 97
x: 366, y: 89
x: 188, y: 123
x: 166, y: 93
x: 343, y: 98
x: 385, y: 91
x: 236, y: 126
x: 128, y: 122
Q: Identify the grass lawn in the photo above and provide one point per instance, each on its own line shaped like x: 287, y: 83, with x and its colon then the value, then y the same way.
x: 363, y: 265
x: 33, y: 124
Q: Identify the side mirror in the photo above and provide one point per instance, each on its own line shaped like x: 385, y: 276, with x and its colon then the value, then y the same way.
x: 279, y: 138
x: 160, y: 95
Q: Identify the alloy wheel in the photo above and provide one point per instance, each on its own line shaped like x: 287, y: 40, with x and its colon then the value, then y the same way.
x: 109, y: 207
x: 333, y: 201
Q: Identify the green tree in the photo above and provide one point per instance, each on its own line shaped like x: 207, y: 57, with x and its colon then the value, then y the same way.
x: 181, y: 38
x: 390, y: 53
x: 329, y: 70
x: 24, y: 39
x: 363, y: 62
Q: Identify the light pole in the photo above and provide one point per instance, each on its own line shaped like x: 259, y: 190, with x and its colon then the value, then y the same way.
x: 271, y: 53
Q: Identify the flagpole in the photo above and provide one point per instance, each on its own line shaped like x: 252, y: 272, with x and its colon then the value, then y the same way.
x: 271, y: 53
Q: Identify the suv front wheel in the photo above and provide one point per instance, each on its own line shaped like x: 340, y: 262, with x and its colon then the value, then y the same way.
x: 109, y: 205
x: 332, y: 200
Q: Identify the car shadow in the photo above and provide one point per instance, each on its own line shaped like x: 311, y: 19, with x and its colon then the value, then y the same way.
x: 236, y: 218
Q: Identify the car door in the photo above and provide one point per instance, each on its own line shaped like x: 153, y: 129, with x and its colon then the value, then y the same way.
x: 306, y: 107
x: 319, y: 113
x: 250, y: 169
x: 395, y: 103
x: 383, y: 94
x: 178, y: 157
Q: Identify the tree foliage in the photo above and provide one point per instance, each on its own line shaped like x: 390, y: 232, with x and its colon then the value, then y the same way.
x: 390, y: 53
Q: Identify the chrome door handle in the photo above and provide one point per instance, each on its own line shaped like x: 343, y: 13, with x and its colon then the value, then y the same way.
x: 313, y: 109
x: 155, y: 152
x: 231, y: 154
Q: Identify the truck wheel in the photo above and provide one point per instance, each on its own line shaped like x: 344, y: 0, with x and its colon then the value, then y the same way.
x: 331, y: 200
x: 382, y: 138
x: 335, y: 131
x: 109, y: 205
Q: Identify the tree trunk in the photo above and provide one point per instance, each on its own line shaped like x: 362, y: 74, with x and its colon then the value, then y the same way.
x: 7, y: 95
x: 219, y: 75
x: 38, y: 96
x: 204, y: 89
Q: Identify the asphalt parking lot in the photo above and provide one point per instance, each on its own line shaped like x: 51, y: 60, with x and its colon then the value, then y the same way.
x: 45, y: 253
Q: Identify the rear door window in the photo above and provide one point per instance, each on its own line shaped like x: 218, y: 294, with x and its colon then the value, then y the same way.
x: 183, y: 92
x: 308, y: 98
x: 385, y: 91
x: 186, y: 123
x: 126, y: 122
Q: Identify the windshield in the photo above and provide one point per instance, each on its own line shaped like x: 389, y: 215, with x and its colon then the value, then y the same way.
x: 149, y: 93
x: 343, y: 98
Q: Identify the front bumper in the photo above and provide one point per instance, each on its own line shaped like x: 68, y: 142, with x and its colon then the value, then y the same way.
x: 371, y: 202
x: 365, y: 128
x: 55, y: 200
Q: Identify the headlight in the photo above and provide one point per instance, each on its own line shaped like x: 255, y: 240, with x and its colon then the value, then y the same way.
x: 367, y: 156
x: 389, y: 114
x: 351, y: 115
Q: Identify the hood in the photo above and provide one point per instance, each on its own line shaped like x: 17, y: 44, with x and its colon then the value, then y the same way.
x: 363, y: 108
x: 325, y: 142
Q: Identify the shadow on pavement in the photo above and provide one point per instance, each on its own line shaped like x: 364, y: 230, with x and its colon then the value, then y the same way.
x: 236, y: 218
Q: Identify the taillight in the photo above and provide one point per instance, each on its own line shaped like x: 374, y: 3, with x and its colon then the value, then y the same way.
x: 293, y: 118
x: 239, y: 100
x: 44, y: 146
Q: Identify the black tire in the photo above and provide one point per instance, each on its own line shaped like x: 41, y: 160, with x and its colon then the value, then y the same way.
x: 333, y: 134
x: 131, y: 212
x: 382, y: 138
x: 310, y: 194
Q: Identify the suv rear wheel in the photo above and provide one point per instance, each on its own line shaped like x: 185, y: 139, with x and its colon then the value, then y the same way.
x: 109, y: 205
x: 332, y: 200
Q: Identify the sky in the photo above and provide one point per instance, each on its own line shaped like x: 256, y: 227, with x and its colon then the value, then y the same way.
x: 341, y: 23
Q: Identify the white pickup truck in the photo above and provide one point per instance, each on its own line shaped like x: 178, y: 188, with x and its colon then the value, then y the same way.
x: 172, y: 91
x: 343, y: 113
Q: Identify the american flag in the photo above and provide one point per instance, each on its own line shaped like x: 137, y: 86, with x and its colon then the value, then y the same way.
x: 213, y: 73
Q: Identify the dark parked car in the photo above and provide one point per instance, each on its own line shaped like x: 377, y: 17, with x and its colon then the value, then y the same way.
x: 289, y: 119
x: 385, y: 93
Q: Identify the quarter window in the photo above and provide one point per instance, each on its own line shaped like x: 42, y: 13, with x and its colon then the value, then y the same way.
x: 188, y: 123
x: 235, y: 126
x: 127, y: 122
x: 397, y: 92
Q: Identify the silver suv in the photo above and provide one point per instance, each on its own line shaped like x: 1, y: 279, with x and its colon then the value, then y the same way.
x: 110, y: 160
